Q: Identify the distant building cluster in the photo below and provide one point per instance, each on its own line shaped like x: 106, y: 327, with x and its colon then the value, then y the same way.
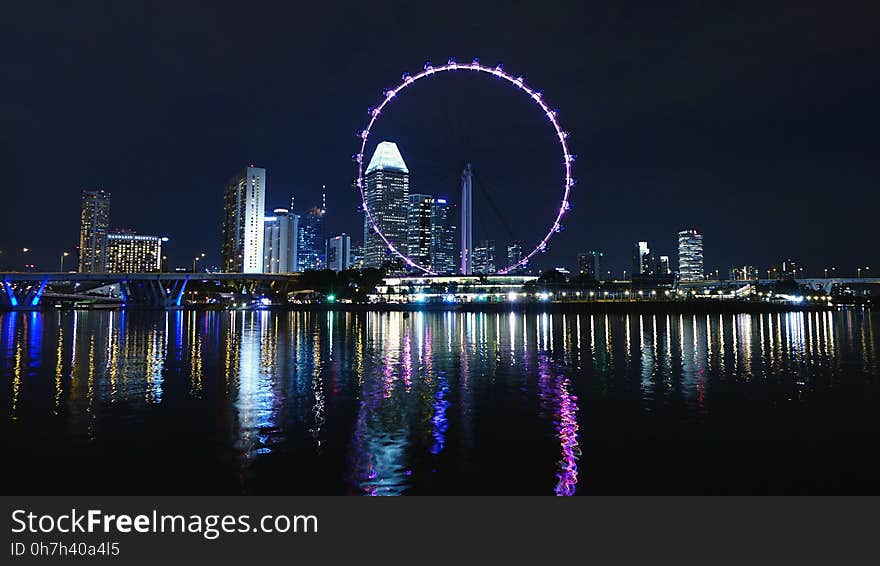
x: 426, y: 228
x: 102, y: 250
x: 420, y: 226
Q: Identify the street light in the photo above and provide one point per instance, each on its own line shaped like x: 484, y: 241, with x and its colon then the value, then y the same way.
x: 197, y: 258
x: 64, y: 255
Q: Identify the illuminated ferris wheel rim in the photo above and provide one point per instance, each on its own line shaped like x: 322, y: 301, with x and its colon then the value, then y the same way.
x: 534, y: 94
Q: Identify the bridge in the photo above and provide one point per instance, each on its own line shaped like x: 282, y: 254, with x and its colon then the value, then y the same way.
x: 28, y: 290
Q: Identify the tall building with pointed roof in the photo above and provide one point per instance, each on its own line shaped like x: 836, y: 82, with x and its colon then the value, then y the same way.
x: 387, y: 198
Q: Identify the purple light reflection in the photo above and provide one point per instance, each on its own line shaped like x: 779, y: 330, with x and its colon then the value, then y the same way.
x: 556, y: 397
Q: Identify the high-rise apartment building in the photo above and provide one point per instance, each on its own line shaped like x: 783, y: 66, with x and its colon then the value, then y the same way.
x: 386, y: 193
x: 338, y: 253
x: 280, y: 242
x: 133, y: 253
x: 690, y: 255
x: 244, y: 205
x: 94, y: 225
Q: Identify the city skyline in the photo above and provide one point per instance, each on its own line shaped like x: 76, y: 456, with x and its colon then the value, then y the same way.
x: 293, y: 242
x: 659, y: 152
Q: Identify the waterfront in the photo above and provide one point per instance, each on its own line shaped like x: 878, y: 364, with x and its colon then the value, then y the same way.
x: 440, y: 403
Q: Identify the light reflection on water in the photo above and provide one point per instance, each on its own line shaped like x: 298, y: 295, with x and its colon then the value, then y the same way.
x: 393, y: 403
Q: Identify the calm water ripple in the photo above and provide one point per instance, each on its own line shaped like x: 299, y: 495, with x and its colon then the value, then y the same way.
x: 428, y: 403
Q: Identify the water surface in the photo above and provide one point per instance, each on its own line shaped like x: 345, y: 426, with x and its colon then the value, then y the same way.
x: 439, y: 403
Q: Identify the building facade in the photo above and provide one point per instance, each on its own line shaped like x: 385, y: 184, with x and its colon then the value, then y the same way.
x: 357, y: 256
x: 663, y: 266
x: 338, y: 253
x: 443, y: 250
x: 690, y: 255
x: 133, y: 253
x: 590, y: 264
x: 244, y: 206
x: 281, y: 242
x: 419, y: 221
x: 310, y: 253
x: 386, y: 194
x: 641, y: 260
x: 484, y: 257
x: 94, y: 226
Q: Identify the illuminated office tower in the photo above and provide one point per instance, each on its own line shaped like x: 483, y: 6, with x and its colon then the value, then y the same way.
x: 133, y: 253
x: 484, y: 257
x: 690, y: 255
x: 443, y: 252
x: 590, y: 264
x: 663, y: 267
x: 94, y: 223
x: 357, y: 256
x: 311, y: 239
x: 641, y: 260
x: 419, y: 229
x: 244, y: 206
x: 514, y: 255
x: 338, y: 253
x: 280, y: 241
x: 387, y: 198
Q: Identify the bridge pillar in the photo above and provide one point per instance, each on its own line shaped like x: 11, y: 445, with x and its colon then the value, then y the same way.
x: 152, y: 293
x: 21, y: 295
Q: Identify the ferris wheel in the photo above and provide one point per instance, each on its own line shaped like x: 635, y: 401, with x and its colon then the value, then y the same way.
x: 567, y: 180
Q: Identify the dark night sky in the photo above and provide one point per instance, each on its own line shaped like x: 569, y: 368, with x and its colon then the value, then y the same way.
x: 757, y: 125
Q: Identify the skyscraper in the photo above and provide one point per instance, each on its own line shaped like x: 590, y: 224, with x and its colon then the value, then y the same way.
x: 484, y: 257
x: 419, y: 229
x: 311, y: 239
x: 244, y: 206
x: 128, y: 252
x: 442, y: 237
x: 514, y: 255
x: 641, y: 260
x: 94, y: 223
x: 663, y: 267
x: 387, y: 198
x: 690, y: 255
x: 339, y: 253
x: 590, y: 264
x: 280, y: 242
x: 357, y: 256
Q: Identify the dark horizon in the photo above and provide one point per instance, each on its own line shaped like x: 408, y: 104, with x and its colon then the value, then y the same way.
x: 757, y: 126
